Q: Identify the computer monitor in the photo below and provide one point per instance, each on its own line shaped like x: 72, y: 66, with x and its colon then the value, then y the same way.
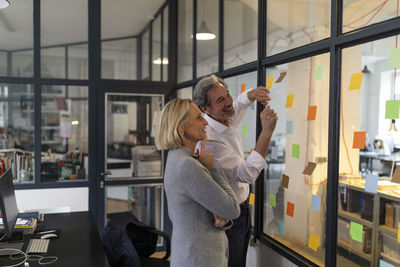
x: 8, y: 202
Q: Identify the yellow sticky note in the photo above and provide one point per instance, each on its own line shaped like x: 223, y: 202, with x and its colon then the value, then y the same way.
x: 398, y: 233
x: 270, y: 80
x: 355, y: 82
x: 251, y: 199
x: 289, y: 101
x: 313, y: 242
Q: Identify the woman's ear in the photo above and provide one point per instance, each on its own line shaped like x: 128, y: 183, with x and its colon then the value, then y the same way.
x: 181, y: 130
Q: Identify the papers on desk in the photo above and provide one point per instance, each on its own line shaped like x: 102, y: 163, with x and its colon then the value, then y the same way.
x: 29, y: 225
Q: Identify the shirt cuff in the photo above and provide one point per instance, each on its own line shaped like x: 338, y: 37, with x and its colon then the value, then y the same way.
x: 244, y: 99
x: 257, y: 161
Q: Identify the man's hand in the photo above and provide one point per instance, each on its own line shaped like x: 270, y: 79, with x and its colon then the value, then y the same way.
x: 268, y: 119
x: 261, y: 94
x: 220, y: 222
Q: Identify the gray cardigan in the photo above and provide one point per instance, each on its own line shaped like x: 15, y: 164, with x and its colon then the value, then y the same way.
x: 193, y: 195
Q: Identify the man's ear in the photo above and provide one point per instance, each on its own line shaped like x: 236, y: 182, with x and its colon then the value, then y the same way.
x: 205, y: 110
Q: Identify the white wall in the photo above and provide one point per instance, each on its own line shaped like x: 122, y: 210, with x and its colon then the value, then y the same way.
x: 75, y: 198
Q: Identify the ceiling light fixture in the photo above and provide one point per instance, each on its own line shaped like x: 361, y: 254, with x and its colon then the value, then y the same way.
x: 158, y: 61
x: 204, y: 33
x: 4, y: 4
x: 366, y: 70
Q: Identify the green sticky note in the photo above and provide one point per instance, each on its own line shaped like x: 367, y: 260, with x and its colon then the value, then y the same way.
x: 394, y: 61
x: 295, y: 151
x: 229, y: 91
x: 272, y: 200
x: 356, y: 231
x: 392, y: 109
x: 319, y: 72
x: 244, y: 130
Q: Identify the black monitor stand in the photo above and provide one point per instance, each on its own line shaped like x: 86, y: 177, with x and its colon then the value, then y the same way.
x: 17, y: 236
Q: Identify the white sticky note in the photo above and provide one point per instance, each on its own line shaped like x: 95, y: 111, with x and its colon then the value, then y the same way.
x: 371, y: 183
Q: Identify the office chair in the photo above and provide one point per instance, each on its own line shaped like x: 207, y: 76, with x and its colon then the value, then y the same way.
x: 130, y: 243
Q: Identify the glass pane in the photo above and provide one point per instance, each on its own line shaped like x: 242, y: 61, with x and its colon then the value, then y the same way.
x: 247, y: 127
x: 16, y: 27
x: 369, y: 145
x: 185, y: 93
x: 53, y: 62
x: 156, y: 50
x: 3, y: 64
x: 78, y: 62
x: 16, y: 131
x: 58, y: 29
x: 118, y: 59
x: 145, y: 55
x: 358, y: 14
x: 295, y: 197
x: 207, y: 37
x: 65, y: 111
x: 185, y: 42
x: 240, y: 32
x: 130, y: 123
x: 165, y: 46
x: 292, y: 23
x: 143, y: 201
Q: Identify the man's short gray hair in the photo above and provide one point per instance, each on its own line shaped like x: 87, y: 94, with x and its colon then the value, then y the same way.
x: 200, y: 94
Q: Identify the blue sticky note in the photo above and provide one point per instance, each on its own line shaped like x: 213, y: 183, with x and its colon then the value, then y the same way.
x: 371, y: 183
x: 289, y: 127
x: 383, y: 263
x: 281, y: 227
x: 316, y: 203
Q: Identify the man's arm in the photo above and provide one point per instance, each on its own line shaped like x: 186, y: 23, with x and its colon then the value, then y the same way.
x: 268, y: 121
x: 261, y: 94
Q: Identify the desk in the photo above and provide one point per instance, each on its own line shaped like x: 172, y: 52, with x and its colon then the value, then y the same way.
x: 79, y: 243
x: 371, y: 155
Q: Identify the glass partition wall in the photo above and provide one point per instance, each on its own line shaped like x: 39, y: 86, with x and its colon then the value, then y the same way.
x: 329, y: 196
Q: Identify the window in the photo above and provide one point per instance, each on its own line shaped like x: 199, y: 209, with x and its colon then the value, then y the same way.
x: 185, y: 45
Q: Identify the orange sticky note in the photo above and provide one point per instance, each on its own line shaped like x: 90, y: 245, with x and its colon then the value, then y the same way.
x: 242, y: 88
x: 289, y: 101
x: 355, y: 82
x: 290, y: 209
x: 270, y: 80
x: 251, y: 199
x: 398, y: 233
x: 359, y: 140
x: 251, y: 150
x: 312, y: 113
x: 313, y: 242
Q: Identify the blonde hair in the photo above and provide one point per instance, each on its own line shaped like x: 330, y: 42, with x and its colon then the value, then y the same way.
x: 173, y: 116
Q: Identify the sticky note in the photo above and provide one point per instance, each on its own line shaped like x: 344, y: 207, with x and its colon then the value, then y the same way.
x: 290, y: 209
x: 355, y: 82
x: 312, y: 113
x: 270, y: 80
x: 274, y: 153
x: 289, y: 127
x: 398, y: 233
x: 242, y: 88
x: 244, y: 130
x: 383, y: 263
x: 281, y: 227
x: 392, y: 109
x: 356, y: 231
x: 371, y: 183
x: 319, y: 72
x: 396, y: 176
x: 289, y: 101
x: 313, y: 242
x: 272, y: 200
x: 359, y: 140
x: 316, y: 203
x: 251, y: 150
x: 295, y: 151
x: 394, y: 61
x: 285, y: 181
x: 309, y: 169
x: 229, y: 91
x: 281, y: 76
x: 252, y: 198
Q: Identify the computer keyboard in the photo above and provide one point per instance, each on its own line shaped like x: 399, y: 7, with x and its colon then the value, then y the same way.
x: 38, y: 246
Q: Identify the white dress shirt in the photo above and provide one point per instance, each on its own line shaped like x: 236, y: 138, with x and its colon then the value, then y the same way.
x: 226, y: 145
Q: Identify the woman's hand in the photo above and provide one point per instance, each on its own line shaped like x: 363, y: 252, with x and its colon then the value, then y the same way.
x: 205, y: 158
x: 220, y: 222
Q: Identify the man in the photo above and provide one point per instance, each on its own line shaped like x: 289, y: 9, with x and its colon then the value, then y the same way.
x: 224, y: 116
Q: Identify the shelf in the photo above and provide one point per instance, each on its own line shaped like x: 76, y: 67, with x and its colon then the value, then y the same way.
x: 360, y: 253
x: 388, y: 230
x: 51, y: 142
x: 354, y: 217
x: 50, y: 127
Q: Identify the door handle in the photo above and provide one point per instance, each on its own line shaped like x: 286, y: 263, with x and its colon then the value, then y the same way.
x: 105, y: 173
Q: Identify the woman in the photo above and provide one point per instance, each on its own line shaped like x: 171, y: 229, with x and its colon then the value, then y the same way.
x: 195, y: 189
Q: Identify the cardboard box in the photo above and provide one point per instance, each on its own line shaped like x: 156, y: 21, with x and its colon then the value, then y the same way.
x: 367, y: 241
x: 389, y: 215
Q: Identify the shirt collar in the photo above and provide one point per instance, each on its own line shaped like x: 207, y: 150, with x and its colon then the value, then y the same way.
x: 216, y: 125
